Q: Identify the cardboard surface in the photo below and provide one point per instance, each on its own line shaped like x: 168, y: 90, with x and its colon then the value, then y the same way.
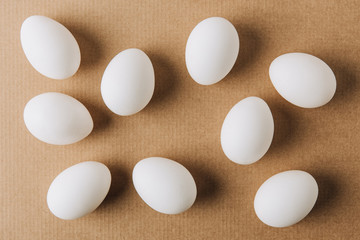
x: 183, y: 120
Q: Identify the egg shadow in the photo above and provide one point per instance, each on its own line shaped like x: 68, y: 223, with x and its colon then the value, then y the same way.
x: 100, y: 115
x: 286, y: 128
x: 208, y: 184
x: 329, y: 194
x: 165, y: 79
x: 346, y: 84
x: 119, y: 185
x: 90, y: 47
x: 251, y: 42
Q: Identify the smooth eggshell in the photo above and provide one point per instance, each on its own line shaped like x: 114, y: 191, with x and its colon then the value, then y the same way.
x: 164, y: 185
x: 247, y: 131
x: 286, y: 198
x: 128, y: 82
x: 78, y: 190
x: 57, y: 118
x: 302, y: 79
x: 50, y: 47
x: 211, y: 50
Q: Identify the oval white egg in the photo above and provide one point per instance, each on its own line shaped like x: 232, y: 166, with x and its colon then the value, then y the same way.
x: 57, y: 118
x: 128, y: 82
x: 247, y: 131
x: 78, y: 190
x: 164, y: 185
x: 286, y: 198
x: 211, y: 50
x: 50, y: 47
x: 303, y: 80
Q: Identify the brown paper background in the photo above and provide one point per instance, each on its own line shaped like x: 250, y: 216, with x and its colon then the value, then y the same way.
x: 183, y: 120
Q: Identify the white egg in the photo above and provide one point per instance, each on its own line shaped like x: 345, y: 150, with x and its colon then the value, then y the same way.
x: 247, y: 131
x: 128, y: 82
x: 164, y: 185
x: 78, y: 190
x: 302, y: 79
x: 50, y: 47
x: 286, y: 198
x: 211, y: 50
x: 57, y: 118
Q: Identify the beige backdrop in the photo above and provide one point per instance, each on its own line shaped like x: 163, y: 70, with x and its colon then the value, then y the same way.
x: 183, y: 120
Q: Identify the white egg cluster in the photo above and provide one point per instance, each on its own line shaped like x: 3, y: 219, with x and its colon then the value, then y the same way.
x: 127, y: 87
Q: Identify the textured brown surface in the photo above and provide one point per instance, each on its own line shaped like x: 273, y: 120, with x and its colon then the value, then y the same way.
x: 183, y: 120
